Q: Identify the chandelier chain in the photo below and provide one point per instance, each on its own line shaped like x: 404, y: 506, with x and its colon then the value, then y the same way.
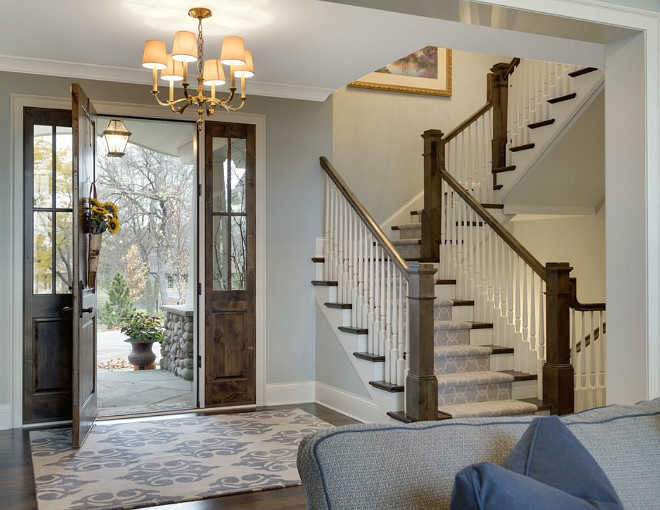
x: 200, y: 49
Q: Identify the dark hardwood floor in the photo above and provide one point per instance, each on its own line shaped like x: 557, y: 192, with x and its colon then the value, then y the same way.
x: 17, y: 481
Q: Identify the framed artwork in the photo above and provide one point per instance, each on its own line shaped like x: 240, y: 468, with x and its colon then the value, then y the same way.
x: 426, y: 71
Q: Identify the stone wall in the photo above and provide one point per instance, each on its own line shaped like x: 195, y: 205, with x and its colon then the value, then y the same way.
x: 177, y: 347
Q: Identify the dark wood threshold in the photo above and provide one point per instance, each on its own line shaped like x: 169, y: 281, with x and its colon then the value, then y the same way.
x: 498, y: 187
x: 520, y: 376
x: 463, y: 302
x: 582, y: 71
x: 318, y: 259
x: 502, y: 169
x: 562, y: 98
x: 542, y: 123
x: 367, y: 356
x: 493, y: 206
x: 445, y: 282
x: 382, y: 385
x: 481, y: 325
x: 353, y: 331
x: 342, y: 306
x: 524, y: 147
x: 402, y: 417
x: 324, y: 283
x: 500, y: 350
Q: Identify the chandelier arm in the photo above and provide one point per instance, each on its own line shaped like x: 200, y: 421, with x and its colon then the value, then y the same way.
x: 230, y: 108
x: 172, y: 104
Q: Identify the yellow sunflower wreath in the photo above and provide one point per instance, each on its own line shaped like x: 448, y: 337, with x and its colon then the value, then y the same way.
x: 103, y: 216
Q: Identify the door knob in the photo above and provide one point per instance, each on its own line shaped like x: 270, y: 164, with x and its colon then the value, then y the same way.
x: 87, y: 310
x: 67, y: 309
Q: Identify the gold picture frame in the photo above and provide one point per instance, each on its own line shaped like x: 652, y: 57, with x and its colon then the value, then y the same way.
x: 427, y: 77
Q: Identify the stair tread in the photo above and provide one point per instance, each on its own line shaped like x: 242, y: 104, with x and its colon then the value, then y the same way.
x: 452, y: 302
x: 318, y: 259
x: 489, y: 408
x: 451, y: 325
x: 367, y: 356
x: 493, y: 206
x: 501, y: 169
x: 343, y: 306
x: 384, y: 385
x: 542, y: 123
x: 523, y: 147
x: 324, y: 283
x: 407, y: 226
x: 353, y: 331
x: 444, y: 351
x: 473, y: 378
x: 559, y: 99
x: 582, y: 71
x: 540, y: 404
x: 499, y: 349
x: 520, y: 376
x: 406, y: 242
x: 445, y: 282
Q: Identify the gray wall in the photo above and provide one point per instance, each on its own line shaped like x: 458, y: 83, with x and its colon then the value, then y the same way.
x: 297, y: 132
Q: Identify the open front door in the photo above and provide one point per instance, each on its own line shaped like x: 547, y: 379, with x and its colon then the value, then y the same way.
x: 230, y: 334
x: 84, y: 297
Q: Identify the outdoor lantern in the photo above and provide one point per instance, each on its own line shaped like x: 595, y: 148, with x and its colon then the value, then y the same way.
x: 116, y: 137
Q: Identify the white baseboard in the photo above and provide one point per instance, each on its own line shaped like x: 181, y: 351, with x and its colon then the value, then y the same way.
x: 353, y: 406
x: 289, y: 393
x: 5, y: 417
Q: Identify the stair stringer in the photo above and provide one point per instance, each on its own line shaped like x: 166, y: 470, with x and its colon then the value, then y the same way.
x: 587, y: 88
x: 360, y: 408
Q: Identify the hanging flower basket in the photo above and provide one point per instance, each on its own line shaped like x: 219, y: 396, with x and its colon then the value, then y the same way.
x: 102, y: 216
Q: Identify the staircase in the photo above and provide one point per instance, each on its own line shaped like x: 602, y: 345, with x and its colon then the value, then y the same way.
x: 484, y: 352
x: 475, y: 377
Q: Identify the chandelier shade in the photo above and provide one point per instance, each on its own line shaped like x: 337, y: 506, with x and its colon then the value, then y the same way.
x: 189, y: 47
x: 155, y: 55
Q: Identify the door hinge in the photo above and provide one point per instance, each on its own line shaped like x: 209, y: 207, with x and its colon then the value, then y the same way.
x: 199, y: 361
x: 75, y: 163
x: 199, y: 289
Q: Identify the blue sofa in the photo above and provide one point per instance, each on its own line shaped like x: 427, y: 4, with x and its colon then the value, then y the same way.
x: 412, y: 467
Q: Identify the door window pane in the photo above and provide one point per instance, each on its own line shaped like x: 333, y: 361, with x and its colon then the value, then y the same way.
x: 63, y: 159
x: 43, y: 166
x: 42, y: 253
x: 238, y: 175
x: 238, y: 252
x: 64, y: 252
x: 220, y: 149
x: 220, y: 253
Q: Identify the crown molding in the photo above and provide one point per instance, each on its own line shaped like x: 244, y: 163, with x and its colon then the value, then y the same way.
x: 139, y: 76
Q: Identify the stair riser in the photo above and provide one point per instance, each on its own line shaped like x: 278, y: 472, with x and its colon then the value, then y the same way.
x: 500, y: 362
x: 461, y: 364
x: 473, y: 393
x: 524, y: 389
x: 445, y: 291
x: 454, y: 313
x: 451, y: 337
x: 414, y: 232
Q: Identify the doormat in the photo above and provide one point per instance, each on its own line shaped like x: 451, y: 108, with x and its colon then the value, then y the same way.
x: 154, y: 462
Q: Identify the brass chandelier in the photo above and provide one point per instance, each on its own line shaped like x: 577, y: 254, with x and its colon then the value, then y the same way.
x: 190, y: 48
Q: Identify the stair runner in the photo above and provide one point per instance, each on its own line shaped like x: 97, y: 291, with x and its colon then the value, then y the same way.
x: 467, y: 386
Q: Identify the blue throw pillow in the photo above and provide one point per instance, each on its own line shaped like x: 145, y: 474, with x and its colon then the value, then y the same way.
x: 547, y: 469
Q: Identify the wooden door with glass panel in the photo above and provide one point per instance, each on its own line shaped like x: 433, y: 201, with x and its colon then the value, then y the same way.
x: 230, y: 170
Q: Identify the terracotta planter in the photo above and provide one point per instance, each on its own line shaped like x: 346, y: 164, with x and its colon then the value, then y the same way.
x: 141, y: 356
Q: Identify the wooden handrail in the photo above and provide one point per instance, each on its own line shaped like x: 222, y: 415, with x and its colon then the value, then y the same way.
x: 515, y: 245
x: 466, y: 123
x: 512, y: 66
x: 366, y: 217
x: 583, y: 307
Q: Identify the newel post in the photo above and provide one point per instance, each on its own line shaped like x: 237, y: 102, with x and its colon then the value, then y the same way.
x: 421, y: 382
x: 498, y: 94
x: 434, y: 160
x: 558, y: 372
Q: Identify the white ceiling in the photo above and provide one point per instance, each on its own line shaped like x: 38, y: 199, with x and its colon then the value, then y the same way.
x: 302, y: 49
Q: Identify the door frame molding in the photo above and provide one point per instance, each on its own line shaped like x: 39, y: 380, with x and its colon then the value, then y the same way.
x: 14, y: 416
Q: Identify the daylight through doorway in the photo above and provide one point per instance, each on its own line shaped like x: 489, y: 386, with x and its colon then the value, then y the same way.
x: 145, y: 278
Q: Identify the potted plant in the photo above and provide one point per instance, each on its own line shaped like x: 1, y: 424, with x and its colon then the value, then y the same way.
x: 142, y: 331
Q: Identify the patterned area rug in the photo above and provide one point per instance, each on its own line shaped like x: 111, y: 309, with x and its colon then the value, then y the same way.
x: 154, y: 462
